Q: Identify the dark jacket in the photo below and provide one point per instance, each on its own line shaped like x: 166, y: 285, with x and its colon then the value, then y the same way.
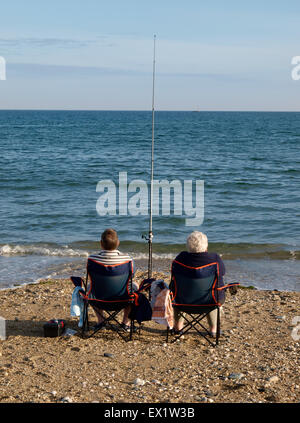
x: 201, y: 259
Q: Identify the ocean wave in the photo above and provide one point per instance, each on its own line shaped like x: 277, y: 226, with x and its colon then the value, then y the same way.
x: 161, y: 256
x: 164, y: 251
x: 21, y: 250
x: 17, y: 250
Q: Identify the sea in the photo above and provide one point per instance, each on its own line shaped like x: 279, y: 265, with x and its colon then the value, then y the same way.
x: 60, y: 188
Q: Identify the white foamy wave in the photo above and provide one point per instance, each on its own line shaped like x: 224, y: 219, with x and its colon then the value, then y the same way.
x: 65, y: 251
x: 15, y: 250
x: 141, y: 256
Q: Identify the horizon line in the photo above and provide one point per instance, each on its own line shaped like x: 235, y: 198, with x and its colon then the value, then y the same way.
x: 149, y: 110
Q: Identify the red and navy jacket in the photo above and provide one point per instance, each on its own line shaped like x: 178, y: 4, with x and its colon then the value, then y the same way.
x: 202, y: 259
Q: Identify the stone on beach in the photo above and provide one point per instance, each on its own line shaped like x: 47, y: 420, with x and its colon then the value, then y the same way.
x: 139, y: 382
x: 255, y: 362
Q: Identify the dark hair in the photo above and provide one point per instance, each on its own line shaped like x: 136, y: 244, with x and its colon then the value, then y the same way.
x: 109, y: 239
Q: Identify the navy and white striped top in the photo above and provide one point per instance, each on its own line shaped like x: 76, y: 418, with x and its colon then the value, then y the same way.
x: 111, y: 257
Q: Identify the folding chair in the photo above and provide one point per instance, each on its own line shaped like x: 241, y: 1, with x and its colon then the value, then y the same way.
x: 110, y: 290
x: 195, y: 292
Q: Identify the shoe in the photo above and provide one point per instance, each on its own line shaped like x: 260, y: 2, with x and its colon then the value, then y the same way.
x: 177, y: 332
x: 127, y: 328
x: 214, y: 334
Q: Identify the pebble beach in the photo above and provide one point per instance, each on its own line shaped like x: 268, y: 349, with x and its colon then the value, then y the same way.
x: 256, y: 361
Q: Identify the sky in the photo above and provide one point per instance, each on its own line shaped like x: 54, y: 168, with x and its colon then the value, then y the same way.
x: 97, y: 55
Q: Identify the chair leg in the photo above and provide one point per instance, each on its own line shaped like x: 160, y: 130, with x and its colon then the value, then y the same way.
x: 87, y: 319
x: 85, y: 323
x: 218, y: 326
x: 131, y: 329
x: 192, y: 324
x: 112, y: 317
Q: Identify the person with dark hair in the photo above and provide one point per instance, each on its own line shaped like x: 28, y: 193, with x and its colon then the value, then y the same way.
x: 110, y: 255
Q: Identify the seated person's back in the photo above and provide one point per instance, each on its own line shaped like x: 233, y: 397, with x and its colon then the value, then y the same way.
x: 197, y: 256
x: 110, y: 256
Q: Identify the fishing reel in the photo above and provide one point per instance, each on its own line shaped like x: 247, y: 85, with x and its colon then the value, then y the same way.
x: 148, y: 237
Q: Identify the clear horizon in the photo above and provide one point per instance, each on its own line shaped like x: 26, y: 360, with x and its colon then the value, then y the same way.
x: 98, y: 56
x: 149, y: 110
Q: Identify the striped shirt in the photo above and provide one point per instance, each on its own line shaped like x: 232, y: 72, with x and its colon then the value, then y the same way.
x: 111, y: 257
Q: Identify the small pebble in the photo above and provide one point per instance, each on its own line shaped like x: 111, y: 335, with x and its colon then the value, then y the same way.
x: 156, y: 381
x: 139, y: 382
x: 201, y: 399
x: 236, y: 376
x: 66, y: 399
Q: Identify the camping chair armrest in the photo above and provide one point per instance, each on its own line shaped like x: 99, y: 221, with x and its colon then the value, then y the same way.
x: 228, y: 285
x: 146, y: 285
x: 233, y: 287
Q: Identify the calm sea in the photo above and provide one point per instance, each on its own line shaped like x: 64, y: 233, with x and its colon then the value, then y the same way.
x: 51, y: 162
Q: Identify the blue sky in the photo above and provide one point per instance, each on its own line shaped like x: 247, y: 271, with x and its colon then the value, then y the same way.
x: 217, y: 55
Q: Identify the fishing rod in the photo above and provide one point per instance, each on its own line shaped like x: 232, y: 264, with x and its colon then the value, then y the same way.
x: 150, y: 234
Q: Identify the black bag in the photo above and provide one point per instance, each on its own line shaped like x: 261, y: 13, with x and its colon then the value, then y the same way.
x: 141, y: 311
x: 54, y: 327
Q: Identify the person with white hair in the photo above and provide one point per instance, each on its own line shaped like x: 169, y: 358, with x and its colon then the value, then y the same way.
x: 197, y: 256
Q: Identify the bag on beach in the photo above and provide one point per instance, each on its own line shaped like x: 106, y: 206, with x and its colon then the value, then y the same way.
x: 141, y: 310
x: 162, y: 310
x: 54, y: 328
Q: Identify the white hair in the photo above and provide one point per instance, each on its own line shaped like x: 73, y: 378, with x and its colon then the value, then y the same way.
x: 197, y: 242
